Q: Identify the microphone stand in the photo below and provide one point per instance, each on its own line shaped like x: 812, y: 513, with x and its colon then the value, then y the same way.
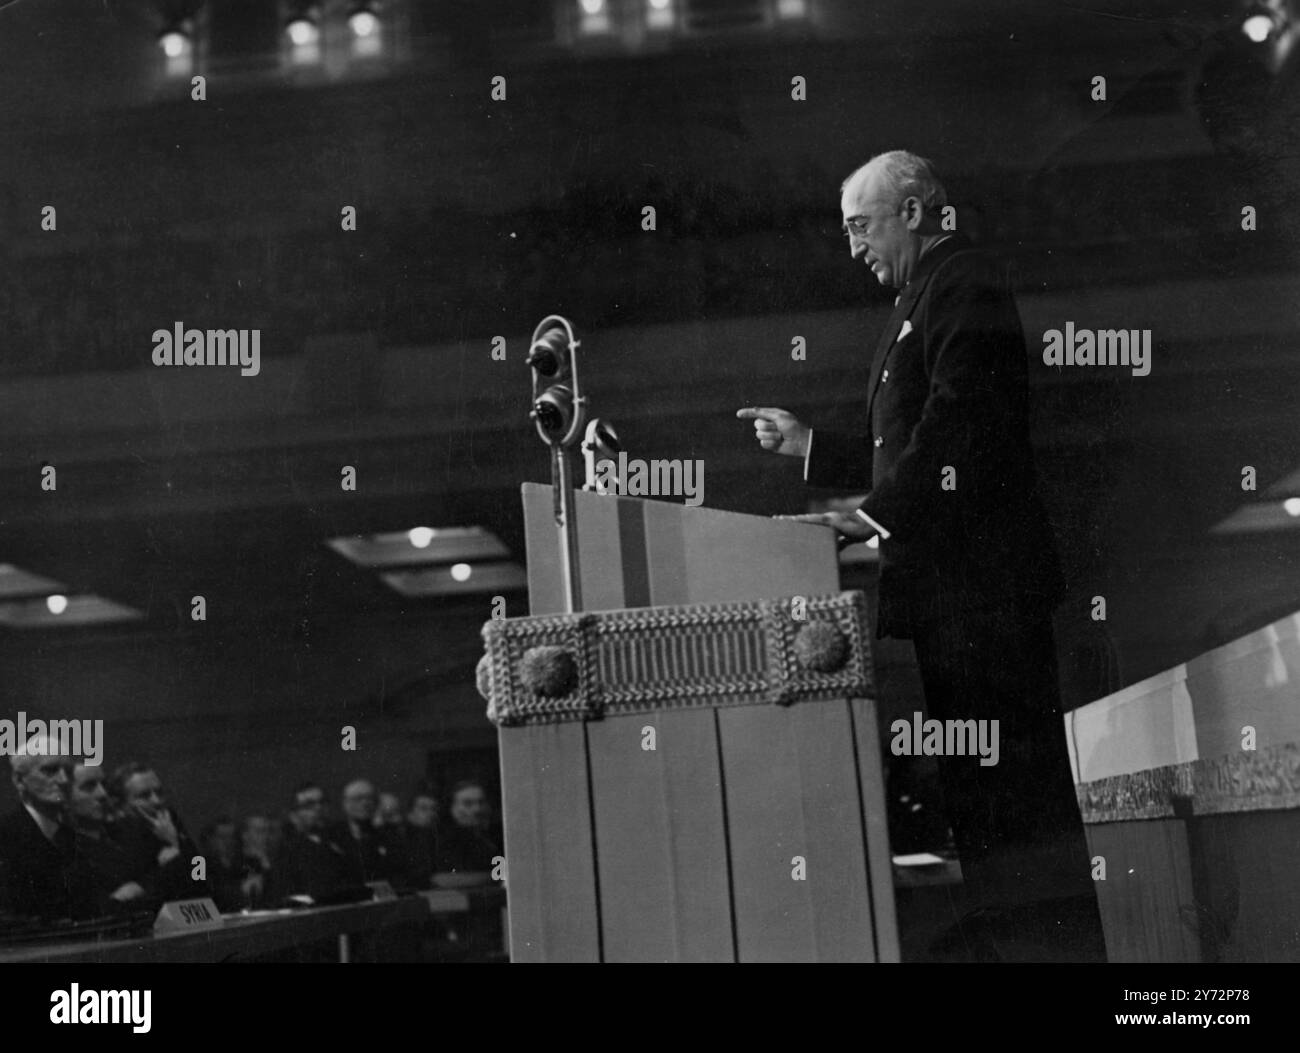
x: 545, y: 344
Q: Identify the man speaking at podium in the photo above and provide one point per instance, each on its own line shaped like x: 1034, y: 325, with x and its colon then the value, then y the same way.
x: 968, y: 568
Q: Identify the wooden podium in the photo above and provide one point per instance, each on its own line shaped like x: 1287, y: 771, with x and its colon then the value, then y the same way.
x: 690, y: 767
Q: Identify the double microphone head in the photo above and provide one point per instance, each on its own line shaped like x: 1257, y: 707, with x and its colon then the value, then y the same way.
x: 555, y: 395
x: 559, y: 408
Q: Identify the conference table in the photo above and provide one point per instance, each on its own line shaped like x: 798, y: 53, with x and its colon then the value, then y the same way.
x: 246, y: 936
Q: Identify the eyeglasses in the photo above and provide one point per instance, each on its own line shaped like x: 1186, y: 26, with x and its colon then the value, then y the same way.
x: 856, y: 226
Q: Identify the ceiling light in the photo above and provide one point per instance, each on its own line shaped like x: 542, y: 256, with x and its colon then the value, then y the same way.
x: 14, y: 581
x: 1260, y: 516
x: 659, y: 14
x: 1258, y: 28
x: 404, y: 548
x: 593, y: 17
x: 174, y: 43
x: 303, y: 32
x: 363, y: 22
x: 39, y: 612
x: 443, y: 581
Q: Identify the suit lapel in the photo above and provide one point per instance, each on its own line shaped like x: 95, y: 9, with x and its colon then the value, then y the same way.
x: 888, y: 338
x: 907, y: 301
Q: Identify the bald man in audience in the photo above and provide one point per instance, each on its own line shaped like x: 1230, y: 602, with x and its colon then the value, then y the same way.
x: 37, y: 843
x: 373, y: 853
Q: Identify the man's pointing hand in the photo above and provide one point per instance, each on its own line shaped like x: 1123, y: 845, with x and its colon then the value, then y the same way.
x: 778, y: 430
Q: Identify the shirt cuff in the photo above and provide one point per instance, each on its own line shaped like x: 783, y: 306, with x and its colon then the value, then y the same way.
x: 884, y: 534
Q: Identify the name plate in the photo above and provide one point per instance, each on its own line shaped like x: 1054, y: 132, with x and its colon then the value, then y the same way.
x: 185, y: 915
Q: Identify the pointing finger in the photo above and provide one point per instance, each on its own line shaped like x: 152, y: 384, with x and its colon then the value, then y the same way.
x: 758, y: 413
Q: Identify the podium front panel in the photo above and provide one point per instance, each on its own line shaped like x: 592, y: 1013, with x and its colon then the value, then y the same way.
x: 798, y: 849
x: 549, y: 846
x: 699, y: 788
x: 661, y: 825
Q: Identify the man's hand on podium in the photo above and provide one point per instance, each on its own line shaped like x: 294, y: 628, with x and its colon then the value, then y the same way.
x: 778, y: 430
x: 850, y: 527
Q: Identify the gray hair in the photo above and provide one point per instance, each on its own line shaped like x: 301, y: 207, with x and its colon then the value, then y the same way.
x: 904, y: 175
x: 32, y: 752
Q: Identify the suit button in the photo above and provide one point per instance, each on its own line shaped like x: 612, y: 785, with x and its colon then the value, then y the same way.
x: 879, y: 441
x: 884, y: 376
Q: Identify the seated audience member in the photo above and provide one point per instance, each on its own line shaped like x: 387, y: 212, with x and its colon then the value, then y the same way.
x: 275, y: 834
x: 466, y: 846
x: 423, y: 813
x: 102, y: 884
x: 422, y: 838
x: 373, y: 853
x: 160, y: 850
x: 37, y: 843
x: 389, y: 811
x: 408, y: 863
x: 310, y: 862
x: 292, y: 824
x: 225, y: 865
x: 255, y: 845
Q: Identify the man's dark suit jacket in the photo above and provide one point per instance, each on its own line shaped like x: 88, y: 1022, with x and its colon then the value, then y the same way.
x: 378, y: 855
x: 169, y: 881
x: 948, y: 388
x: 101, y: 867
x: 310, y: 865
x: 35, y: 872
x: 463, y: 849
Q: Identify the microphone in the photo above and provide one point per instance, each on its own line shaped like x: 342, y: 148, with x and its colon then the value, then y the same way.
x: 601, y: 444
x: 553, y: 411
x: 550, y: 352
x: 604, y: 438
